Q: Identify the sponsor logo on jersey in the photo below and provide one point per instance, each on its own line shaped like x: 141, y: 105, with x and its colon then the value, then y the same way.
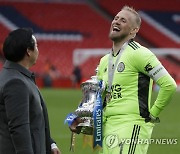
x: 120, y: 67
x: 115, y: 91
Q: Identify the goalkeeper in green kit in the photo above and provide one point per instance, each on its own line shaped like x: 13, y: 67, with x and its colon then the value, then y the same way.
x: 128, y: 72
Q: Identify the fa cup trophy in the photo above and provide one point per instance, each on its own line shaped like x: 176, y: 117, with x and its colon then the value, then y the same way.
x: 89, y: 111
x: 85, y: 110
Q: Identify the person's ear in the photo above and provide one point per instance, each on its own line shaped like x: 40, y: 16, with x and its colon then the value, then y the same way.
x: 28, y: 52
x: 134, y: 31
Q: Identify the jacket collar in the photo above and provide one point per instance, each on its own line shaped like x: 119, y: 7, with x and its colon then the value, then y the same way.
x: 12, y: 65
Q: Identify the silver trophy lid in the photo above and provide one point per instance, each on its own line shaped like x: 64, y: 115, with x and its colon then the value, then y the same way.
x: 93, y: 80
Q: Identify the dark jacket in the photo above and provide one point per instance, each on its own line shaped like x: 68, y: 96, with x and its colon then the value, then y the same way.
x: 24, y: 126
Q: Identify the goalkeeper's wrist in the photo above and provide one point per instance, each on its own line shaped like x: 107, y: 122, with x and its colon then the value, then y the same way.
x: 155, y: 111
x: 154, y: 119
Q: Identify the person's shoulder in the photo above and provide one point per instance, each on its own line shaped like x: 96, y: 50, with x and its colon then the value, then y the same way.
x: 133, y: 45
x: 137, y: 48
x: 105, y: 57
x: 16, y: 84
x: 15, y: 81
x: 103, y: 61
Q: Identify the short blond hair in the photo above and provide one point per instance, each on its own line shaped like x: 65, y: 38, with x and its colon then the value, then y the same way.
x: 132, y: 10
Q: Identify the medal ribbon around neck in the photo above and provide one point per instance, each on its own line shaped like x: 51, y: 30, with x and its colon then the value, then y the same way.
x: 112, y: 67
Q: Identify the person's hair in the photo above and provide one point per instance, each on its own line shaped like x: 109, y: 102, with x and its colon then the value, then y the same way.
x: 16, y: 44
x: 136, y: 14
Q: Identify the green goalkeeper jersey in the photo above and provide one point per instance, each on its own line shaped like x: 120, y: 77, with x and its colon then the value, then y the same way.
x: 132, y: 83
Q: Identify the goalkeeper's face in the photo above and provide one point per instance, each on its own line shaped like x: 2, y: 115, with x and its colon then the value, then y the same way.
x: 122, y: 26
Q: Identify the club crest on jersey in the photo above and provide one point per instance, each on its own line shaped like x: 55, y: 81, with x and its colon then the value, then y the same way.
x: 120, y: 67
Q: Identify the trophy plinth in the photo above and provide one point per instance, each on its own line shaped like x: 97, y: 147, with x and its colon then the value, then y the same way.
x: 86, y: 126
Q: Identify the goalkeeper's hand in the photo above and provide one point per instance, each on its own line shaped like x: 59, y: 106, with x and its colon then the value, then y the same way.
x: 73, y: 127
x: 152, y: 119
x: 73, y: 121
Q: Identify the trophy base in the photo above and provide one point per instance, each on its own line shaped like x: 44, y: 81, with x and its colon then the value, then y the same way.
x: 86, y: 127
x: 87, y: 130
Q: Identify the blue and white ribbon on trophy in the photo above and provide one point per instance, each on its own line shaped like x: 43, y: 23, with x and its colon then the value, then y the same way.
x: 70, y: 118
x: 97, y: 118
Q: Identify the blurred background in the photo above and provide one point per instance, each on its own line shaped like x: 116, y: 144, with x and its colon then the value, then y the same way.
x: 73, y: 34
x: 72, y: 37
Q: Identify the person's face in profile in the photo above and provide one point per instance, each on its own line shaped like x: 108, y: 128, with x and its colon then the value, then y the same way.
x: 35, y: 53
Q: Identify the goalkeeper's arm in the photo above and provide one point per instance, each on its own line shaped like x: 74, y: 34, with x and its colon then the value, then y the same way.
x: 167, y: 88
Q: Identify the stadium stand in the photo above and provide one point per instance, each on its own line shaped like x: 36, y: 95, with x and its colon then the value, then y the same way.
x: 62, y: 18
x: 161, y: 10
x: 63, y: 27
x: 160, y: 26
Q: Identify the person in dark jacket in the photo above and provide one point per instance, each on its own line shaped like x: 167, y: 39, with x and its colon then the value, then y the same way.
x: 24, y: 125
